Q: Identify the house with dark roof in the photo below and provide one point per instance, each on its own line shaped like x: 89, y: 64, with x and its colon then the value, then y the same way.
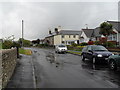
x: 62, y: 36
x: 88, y: 34
x: 113, y: 37
x: 116, y: 28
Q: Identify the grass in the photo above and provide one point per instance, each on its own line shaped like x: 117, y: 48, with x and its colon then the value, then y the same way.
x: 78, y: 53
x: 25, y: 51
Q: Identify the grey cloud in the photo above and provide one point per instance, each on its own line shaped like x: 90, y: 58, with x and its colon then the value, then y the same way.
x: 38, y: 17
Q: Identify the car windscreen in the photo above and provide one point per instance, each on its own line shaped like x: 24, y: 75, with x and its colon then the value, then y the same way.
x: 61, y: 46
x: 99, y: 48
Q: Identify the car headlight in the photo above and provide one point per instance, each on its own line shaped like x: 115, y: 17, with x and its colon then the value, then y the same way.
x: 113, y: 54
x: 99, y: 55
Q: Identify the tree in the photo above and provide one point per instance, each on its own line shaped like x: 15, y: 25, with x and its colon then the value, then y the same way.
x: 26, y: 43
x: 106, y: 29
x: 38, y: 41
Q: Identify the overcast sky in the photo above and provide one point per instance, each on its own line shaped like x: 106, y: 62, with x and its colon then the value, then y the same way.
x: 39, y: 16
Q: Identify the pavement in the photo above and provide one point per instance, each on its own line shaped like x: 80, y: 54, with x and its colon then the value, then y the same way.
x: 23, y: 76
x: 46, y: 69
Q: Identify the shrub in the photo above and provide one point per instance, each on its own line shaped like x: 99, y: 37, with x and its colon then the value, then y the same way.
x: 108, y: 44
x: 83, y: 44
x: 97, y: 43
x: 74, y: 44
x: 80, y: 46
x: 7, y: 44
x: 15, y: 44
x: 105, y: 44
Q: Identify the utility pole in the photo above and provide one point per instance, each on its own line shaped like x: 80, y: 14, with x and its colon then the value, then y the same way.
x: 22, y: 32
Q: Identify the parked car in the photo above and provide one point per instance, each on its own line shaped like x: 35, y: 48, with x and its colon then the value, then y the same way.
x: 114, y: 62
x: 61, y: 49
x: 96, y: 53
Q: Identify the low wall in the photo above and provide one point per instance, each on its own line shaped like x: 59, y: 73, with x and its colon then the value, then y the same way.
x: 9, y: 57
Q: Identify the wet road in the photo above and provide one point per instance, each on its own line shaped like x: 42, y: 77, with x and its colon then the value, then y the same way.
x: 69, y: 71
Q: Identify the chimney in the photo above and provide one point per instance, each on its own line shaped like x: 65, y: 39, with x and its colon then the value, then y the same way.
x: 59, y: 28
x: 56, y: 30
x: 86, y: 26
x: 50, y: 32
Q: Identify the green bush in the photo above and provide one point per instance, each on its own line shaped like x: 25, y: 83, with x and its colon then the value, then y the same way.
x: 83, y: 44
x: 108, y: 44
x: 97, y: 43
x: 74, y: 44
x: 42, y: 45
x: 7, y: 44
x: 26, y: 43
x: 15, y: 44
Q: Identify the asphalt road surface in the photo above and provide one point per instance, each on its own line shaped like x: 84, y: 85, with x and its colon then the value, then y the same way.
x: 51, y: 70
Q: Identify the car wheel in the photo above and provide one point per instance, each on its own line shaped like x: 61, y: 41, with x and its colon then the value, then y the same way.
x: 83, y: 58
x: 112, y: 65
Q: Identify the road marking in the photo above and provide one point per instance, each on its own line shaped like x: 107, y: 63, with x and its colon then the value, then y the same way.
x: 33, y: 72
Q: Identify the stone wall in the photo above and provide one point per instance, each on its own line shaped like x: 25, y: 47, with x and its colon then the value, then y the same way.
x: 8, y: 58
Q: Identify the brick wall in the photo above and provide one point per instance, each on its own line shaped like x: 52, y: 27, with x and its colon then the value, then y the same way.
x: 9, y: 57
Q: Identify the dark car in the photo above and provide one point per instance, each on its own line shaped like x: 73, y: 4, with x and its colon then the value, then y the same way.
x: 96, y: 53
x: 114, y: 62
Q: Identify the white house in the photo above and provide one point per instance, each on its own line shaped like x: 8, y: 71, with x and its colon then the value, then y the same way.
x: 67, y: 37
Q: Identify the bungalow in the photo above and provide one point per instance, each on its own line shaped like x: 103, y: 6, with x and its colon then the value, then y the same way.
x: 116, y: 28
x: 113, y: 37
x: 88, y: 34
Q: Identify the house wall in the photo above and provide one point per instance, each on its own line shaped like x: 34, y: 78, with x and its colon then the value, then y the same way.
x: 66, y: 37
x: 50, y: 39
x: 69, y: 39
x: 85, y: 39
x: 57, y: 39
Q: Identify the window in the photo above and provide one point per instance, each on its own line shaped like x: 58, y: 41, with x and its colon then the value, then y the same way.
x: 69, y: 36
x: 63, y: 42
x: 74, y: 36
x: 62, y: 36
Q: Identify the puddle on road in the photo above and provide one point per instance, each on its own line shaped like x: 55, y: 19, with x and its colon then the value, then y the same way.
x: 54, y: 58
x: 103, y: 71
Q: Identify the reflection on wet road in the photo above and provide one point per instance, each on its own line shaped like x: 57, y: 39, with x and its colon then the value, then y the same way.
x: 69, y: 71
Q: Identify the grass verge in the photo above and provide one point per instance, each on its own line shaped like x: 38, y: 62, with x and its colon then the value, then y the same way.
x: 72, y: 52
x: 25, y: 51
